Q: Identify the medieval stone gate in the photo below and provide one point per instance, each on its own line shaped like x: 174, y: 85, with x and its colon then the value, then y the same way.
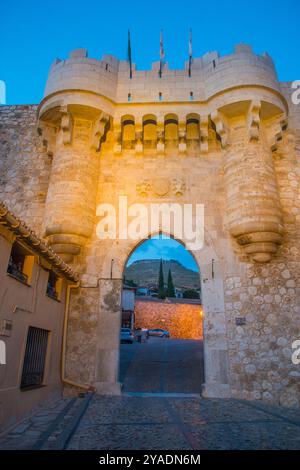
x: 227, y: 137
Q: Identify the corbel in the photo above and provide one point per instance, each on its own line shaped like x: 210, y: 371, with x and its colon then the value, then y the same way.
x: 98, y: 130
x: 66, y: 125
x: 204, y: 133
x: 182, y: 136
x: 138, y: 136
x: 276, y: 132
x: 160, y: 144
x: 47, y: 138
x: 222, y: 128
x: 117, y: 133
x: 253, y: 121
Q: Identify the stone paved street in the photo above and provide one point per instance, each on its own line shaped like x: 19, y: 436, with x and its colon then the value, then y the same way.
x: 162, y: 365
x: 160, y: 409
x: 184, y: 423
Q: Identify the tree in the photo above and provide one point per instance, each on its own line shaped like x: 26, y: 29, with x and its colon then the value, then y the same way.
x: 170, y: 288
x: 190, y: 294
x: 161, y: 283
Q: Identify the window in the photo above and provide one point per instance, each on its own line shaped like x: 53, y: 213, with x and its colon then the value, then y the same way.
x: 129, y: 97
x: 20, y: 263
x: 54, y: 286
x: 191, y: 96
x: 160, y: 97
x: 35, y: 358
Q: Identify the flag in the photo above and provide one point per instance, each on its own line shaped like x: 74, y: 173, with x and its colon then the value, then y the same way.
x: 190, y: 53
x: 161, y: 53
x: 129, y: 55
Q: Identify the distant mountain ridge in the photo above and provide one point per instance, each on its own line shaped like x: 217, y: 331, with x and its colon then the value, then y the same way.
x: 145, y: 273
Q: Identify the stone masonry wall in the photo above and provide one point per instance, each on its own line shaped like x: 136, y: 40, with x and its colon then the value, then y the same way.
x: 82, y: 334
x: 268, y: 296
x: 24, y: 164
x: 183, y: 321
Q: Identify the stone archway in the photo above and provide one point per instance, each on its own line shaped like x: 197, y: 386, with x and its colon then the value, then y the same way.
x: 214, y: 326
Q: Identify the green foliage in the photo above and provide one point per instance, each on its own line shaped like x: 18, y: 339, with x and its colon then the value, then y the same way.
x: 190, y: 294
x: 170, y: 289
x: 161, y: 282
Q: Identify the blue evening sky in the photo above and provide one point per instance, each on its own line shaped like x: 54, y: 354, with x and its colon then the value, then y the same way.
x: 33, y: 33
x: 166, y: 248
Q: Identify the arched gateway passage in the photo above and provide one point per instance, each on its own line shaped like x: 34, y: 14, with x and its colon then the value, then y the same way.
x: 162, y: 324
x: 214, y: 330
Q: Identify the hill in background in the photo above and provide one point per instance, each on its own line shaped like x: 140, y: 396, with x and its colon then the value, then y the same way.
x: 145, y: 273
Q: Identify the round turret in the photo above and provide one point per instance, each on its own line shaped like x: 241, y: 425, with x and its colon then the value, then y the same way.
x: 78, y: 107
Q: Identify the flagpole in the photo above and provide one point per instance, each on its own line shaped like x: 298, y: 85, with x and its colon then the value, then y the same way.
x: 161, y: 54
x: 129, y: 55
x: 190, y: 53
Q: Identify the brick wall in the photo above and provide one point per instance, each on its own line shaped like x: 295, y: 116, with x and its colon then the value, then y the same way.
x: 181, y: 320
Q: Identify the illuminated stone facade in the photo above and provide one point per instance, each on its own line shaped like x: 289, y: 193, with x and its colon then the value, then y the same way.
x: 227, y: 137
x: 181, y: 320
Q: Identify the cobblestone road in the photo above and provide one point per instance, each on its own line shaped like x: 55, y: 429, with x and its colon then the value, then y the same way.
x: 184, y: 423
x: 160, y: 409
x: 162, y: 365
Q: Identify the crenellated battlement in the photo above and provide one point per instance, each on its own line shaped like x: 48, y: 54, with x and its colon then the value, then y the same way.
x: 211, y: 74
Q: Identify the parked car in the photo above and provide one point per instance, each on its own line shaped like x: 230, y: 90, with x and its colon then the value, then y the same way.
x: 126, y: 335
x: 159, y: 332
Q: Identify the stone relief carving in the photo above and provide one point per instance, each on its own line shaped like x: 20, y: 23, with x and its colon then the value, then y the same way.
x: 178, y: 186
x: 143, y: 188
x: 161, y: 187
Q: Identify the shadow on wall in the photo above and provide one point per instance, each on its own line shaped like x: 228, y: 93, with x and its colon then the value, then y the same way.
x: 183, y: 321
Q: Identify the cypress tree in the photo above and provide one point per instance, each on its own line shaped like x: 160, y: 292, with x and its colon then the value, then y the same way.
x: 170, y: 289
x: 161, y: 283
